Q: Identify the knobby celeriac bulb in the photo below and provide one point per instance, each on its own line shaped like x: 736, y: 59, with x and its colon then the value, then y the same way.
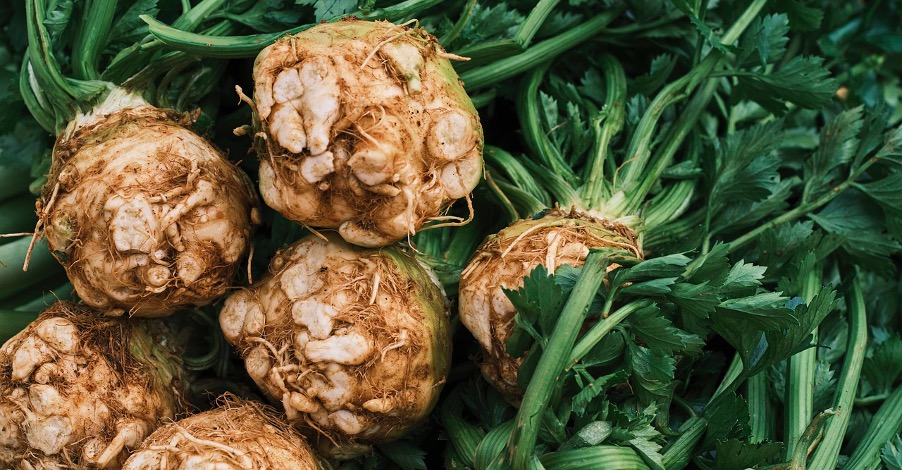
x: 504, y: 259
x: 355, y: 343
x: 364, y: 127
x: 146, y: 215
x: 79, y: 389
x: 235, y: 436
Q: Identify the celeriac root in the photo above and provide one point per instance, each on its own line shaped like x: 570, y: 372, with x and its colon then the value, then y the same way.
x: 145, y: 215
x: 349, y: 371
x: 236, y: 435
x: 363, y: 127
x: 504, y: 259
x: 79, y: 390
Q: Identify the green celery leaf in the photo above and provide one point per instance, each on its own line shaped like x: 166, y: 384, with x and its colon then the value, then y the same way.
x: 58, y: 18
x: 728, y: 418
x: 682, y: 171
x: 863, y: 224
x: 777, y: 245
x: 712, y: 267
x: 749, y: 165
x: 892, y: 148
x: 130, y: 28
x: 873, y: 132
x: 404, y: 454
x: 657, y: 333
x: 802, y: 15
x: 838, y: 143
x: 486, y: 403
x: 269, y: 16
x: 744, y: 214
x: 660, y: 267
x: 765, y: 312
x: 888, y: 193
x: 650, y: 451
x: 891, y: 454
x: 743, y: 278
x: 653, y: 374
x: 733, y: 454
x: 634, y: 427
x: 523, y: 336
x: 702, y: 27
x: 540, y: 300
x: 328, y: 9
x: 489, y: 23
x: 824, y: 385
x: 884, y: 366
x: 660, y: 69
x: 697, y: 302
x: 596, y: 388
x: 591, y: 85
x: 608, y: 350
x: 655, y: 287
x: 780, y: 344
x: 803, y: 81
x: 765, y: 41
x: 559, y: 22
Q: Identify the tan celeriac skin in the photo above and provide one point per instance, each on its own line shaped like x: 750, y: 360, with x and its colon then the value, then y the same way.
x: 238, y: 435
x: 79, y: 390
x: 363, y: 127
x: 504, y: 259
x: 146, y: 215
x: 354, y: 342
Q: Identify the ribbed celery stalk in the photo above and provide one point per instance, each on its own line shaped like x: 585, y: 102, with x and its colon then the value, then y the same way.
x: 231, y: 47
x: 761, y: 408
x: 801, y: 375
x: 827, y: 453
x: 886, y: 424
x: 521, y: 444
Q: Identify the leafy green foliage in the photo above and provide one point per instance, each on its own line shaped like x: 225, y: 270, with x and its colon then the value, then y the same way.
x: 26, y: 143
x: 863, y: 225
x: 728, y: 418
x: 891, y: 454
x: 765, y: 41
x: 594, y: 389
x: 748, y: 166
x: 802, y: 81
x: 268, y: 16
x: 838, y: 144
x: 129, y: 27
x: 328, y: 9
x: 704, y: 29
x: 634, y: 427
x: 57, y: 19
x: 538, y: 304
x: 883, y: 367
x: 405, y: 455
x: 803, y: 15
x: 653, y: 373
x: 734, y: 454
x: 760, y: 349
x: 659, y: 335
x: 489, y: 21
